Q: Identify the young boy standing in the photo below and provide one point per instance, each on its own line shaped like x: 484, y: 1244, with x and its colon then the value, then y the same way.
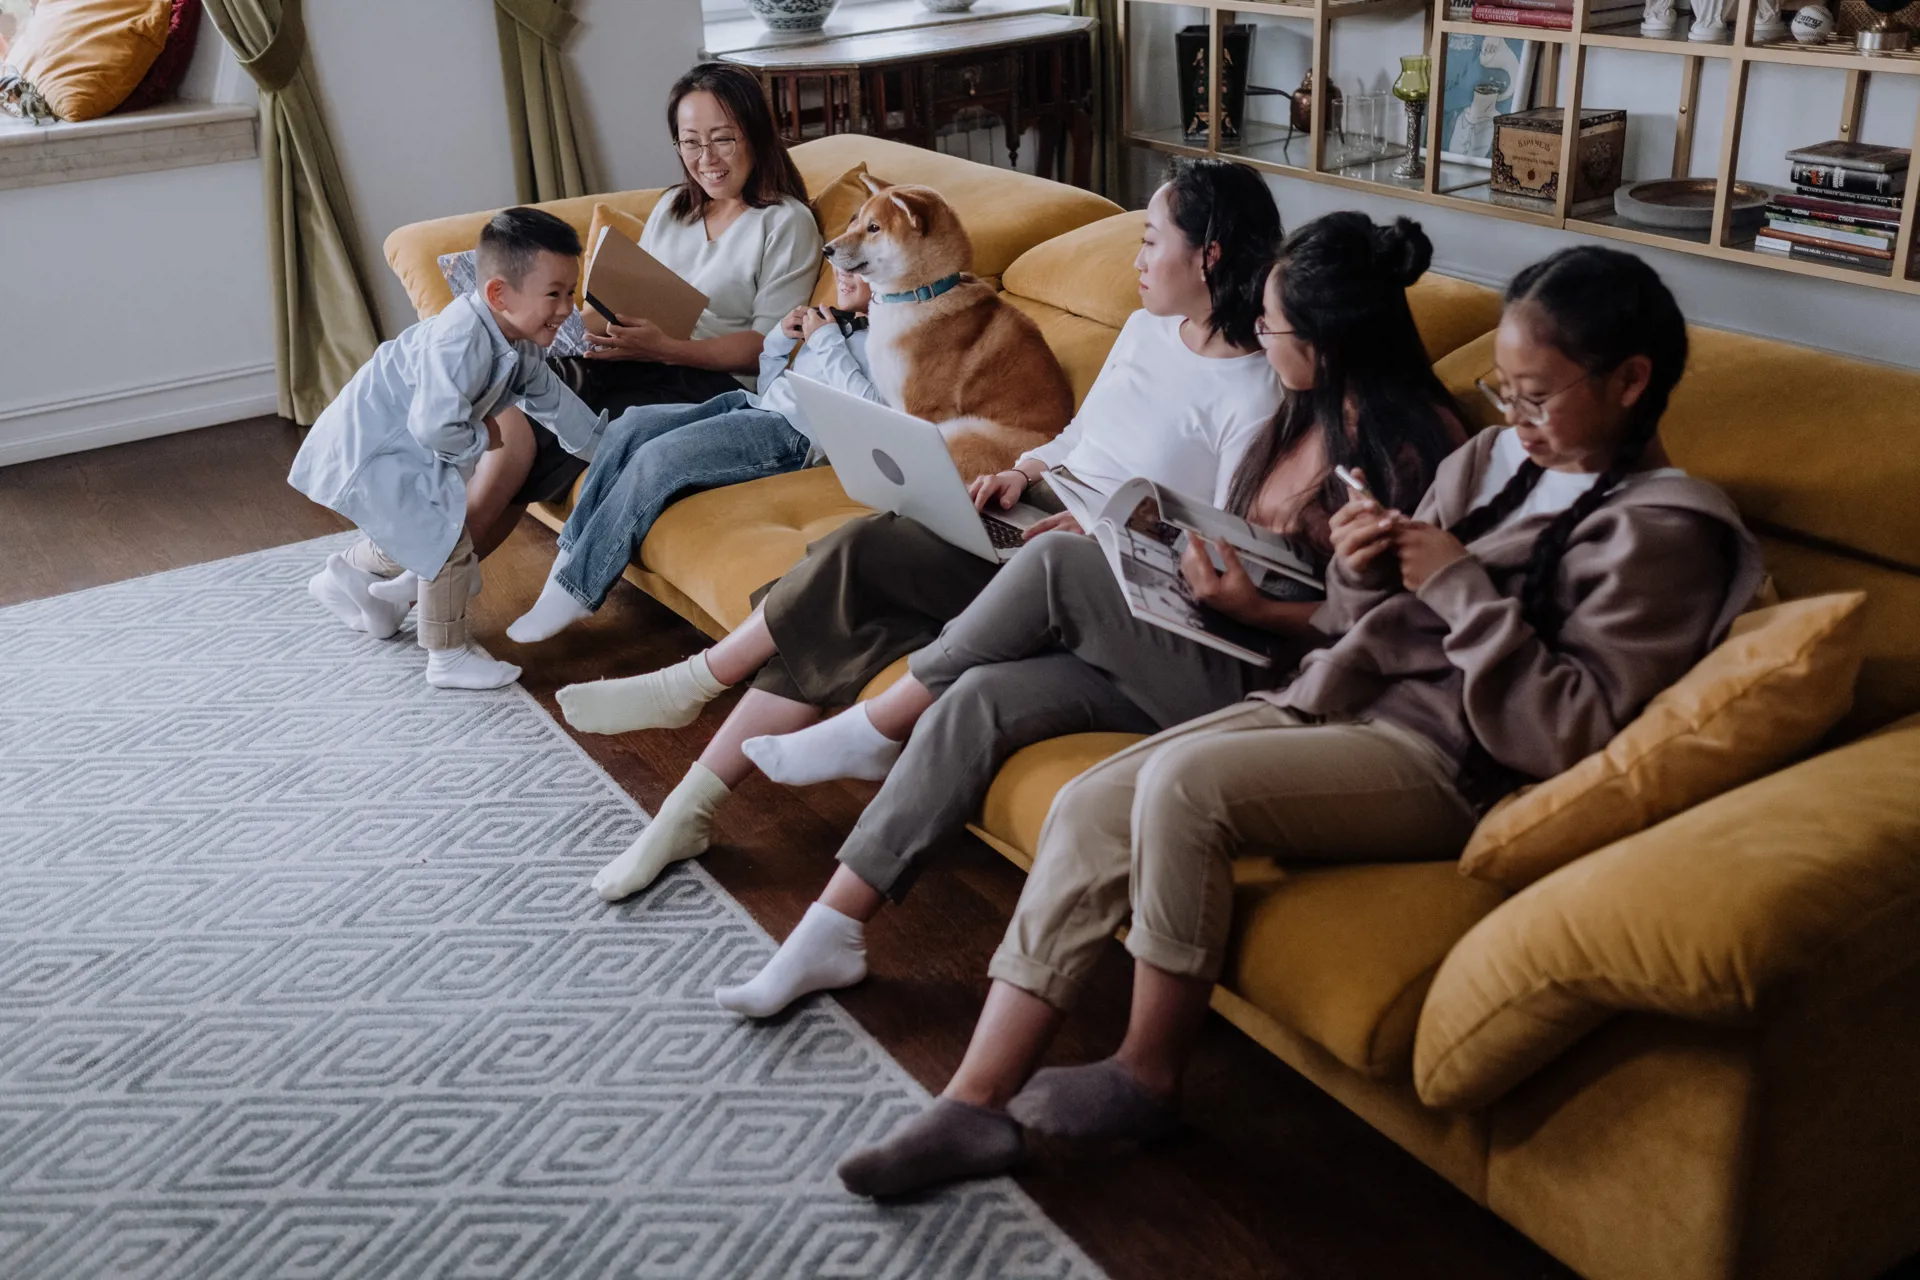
x: 394, y: 450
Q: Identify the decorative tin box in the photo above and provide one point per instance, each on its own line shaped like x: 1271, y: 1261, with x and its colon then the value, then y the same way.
x: 1526, y: 153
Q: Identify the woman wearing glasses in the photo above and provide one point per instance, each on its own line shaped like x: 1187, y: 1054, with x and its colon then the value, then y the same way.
x: 1050, y: 648
x: 738, y: 229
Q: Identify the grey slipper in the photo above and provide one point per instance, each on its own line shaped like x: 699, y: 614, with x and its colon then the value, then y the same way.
x: 948, y: 1141
x: 1099, y: 1102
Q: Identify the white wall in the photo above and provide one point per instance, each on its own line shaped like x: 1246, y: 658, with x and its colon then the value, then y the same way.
x: 1787, y: 106
x: 142, y: 302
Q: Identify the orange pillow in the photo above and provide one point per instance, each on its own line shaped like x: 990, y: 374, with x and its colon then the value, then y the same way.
x: 605, y: 215
x: 1772, y: 689
x: 833, y: 209
x: 79, y: 59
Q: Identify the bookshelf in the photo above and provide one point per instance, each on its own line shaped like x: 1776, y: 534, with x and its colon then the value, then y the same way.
x: 1464, y: 188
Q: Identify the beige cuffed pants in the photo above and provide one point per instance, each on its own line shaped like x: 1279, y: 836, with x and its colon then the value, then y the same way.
x: 1153, y: 832
x: 442, y: 618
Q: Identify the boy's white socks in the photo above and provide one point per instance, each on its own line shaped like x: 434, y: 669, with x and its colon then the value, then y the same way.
x: 670, y: 698
x: 469, y: 667
x: 347, y: 593
x: 404, y: 590
x: 845, y: 746
x: 552, y: 613
x: 682, y: 829
x: 825, y: 952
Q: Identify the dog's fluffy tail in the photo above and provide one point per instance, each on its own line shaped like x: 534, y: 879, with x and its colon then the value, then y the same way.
x: 981, y: 446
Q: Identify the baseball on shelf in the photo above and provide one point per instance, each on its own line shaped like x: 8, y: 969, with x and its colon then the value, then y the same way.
x: 1811, y: 24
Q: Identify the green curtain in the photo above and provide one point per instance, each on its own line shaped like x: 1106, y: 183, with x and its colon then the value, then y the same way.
x: 1109, y: 173
x: 549, y: 162
x: 323, y: 326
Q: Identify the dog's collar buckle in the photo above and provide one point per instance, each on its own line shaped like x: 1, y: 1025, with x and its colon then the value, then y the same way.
x: 925, y: 292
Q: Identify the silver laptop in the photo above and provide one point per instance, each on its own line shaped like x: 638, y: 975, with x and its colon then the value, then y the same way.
x: 892, y: 461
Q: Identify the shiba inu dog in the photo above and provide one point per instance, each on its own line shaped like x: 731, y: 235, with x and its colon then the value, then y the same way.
x: 944, y: 347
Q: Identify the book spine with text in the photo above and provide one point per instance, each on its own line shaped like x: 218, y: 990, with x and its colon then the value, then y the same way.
x: 1865, y: 201
x: 1545, y: 19
x: 1822, y: 177
x: 1773, y: 243
x: 1800, y: 232
x: 1845, y: 212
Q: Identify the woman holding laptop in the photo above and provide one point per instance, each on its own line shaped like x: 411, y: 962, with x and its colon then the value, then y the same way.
x: 738, y: 229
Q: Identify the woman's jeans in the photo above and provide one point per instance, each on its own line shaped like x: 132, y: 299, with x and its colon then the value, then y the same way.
x: 654, y: 456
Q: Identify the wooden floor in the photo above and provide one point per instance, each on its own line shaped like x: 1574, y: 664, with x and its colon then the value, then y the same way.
x: 1270, y: 1179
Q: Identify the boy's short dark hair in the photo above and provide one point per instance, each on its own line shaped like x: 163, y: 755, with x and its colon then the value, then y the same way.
x: 514, y: 237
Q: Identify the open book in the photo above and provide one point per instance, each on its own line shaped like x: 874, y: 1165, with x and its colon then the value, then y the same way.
x: 1143, y: 528
x: 628, y: 281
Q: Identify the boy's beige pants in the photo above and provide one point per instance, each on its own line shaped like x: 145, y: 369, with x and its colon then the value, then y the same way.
x: 442, y: 621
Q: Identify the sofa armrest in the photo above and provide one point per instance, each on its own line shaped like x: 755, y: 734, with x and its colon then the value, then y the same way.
x: 413, y: 251
x: 1719, y: 914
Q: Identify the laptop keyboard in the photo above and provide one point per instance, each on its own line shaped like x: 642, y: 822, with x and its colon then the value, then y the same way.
x: 1004, y: 536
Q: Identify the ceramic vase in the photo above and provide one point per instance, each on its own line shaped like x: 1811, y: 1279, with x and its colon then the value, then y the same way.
x: 946, y: 6
x: 792, y: 15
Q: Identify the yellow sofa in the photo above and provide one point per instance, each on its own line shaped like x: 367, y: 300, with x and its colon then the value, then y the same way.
x: 1747, y: 1103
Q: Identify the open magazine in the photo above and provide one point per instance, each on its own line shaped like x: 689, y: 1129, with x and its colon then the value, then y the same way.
x: 1143, y: 528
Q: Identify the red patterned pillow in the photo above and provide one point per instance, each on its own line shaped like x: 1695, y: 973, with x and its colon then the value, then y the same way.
x: 162, y: 81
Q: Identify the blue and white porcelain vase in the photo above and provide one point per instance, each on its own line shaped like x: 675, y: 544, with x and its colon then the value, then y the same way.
x: 792, y: 15
x: 946, y: 6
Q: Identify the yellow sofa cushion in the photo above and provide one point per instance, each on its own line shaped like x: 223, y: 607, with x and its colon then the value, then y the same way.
x: 413, y: 251
x: 833, y: 208
x: 1087, y: 271
x: 721, y: 545
x: 1005, y: 213
x: 1782, y: 678
x: 83, y: 57
x: 605, y: 215
x: 1889, y: 684
x: 1451, y: 313
x: 1081, y: 345
x: 1016, y: 804
x: 1714, y: 915
x: 1344, y: 955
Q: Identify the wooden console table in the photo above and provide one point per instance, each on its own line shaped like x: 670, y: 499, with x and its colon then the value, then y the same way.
x: 1031, y: 70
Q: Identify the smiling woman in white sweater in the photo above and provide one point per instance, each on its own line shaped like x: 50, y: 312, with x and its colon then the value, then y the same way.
x: 1182, y: 394
x: 737, y: 228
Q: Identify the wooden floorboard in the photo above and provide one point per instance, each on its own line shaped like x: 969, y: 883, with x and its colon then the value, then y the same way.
x: 1271, y: 1178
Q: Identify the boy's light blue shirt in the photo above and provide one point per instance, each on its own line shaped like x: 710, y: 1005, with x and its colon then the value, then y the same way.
x: 392, y: 453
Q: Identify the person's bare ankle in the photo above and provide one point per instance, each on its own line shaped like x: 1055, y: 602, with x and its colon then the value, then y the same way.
x: 976, y: 1093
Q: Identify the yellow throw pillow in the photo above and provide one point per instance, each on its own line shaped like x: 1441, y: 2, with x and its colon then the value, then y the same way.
x: 79, y: 59
x: 833, y: 209
x: 1782, y: 678
x: 605, y: 215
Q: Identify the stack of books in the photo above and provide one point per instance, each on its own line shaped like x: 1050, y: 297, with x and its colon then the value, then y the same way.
x: 1845, y: 209
x: 1551, y: 15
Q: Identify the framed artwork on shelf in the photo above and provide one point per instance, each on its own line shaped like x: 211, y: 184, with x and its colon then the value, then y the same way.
x: 1487, y: 76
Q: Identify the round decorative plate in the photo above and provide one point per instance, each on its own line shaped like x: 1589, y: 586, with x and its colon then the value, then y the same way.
x: 1687, y: 203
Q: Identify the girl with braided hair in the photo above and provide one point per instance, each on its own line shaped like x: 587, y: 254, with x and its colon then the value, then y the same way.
x: 1555, y: 578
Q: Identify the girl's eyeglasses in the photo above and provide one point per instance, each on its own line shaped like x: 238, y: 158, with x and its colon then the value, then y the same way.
x: 1264, y: 335
x: 1530, y: 411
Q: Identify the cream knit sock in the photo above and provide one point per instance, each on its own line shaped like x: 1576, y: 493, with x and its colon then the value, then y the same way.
x: 846, y: 746
x: 682, y: 829
x: 670, y: 698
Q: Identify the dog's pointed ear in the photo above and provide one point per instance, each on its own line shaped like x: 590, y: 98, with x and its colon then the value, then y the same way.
x: 874, y: 185
x: 917, y: 207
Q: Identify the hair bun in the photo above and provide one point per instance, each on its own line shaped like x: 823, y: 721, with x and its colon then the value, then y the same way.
x: 1403, y: 251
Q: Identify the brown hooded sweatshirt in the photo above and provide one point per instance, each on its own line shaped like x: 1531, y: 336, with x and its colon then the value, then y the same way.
x: 1649, y: 582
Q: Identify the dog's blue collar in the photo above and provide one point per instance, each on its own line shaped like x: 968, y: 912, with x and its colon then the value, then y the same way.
x: 925, y: 292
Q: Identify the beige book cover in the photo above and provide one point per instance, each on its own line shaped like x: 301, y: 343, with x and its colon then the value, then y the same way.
x: 629, y: 281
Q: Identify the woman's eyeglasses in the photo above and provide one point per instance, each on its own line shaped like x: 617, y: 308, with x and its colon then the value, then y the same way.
x: 1529, y: 411
x: 691, y: 148
x: 1266, y: 335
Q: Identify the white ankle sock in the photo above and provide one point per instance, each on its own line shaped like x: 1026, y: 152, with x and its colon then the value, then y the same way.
x: 682, y: 829
x: 846, y: 746
x: 669, y: 698
x: 347, y: 593
x: 825, y: 952
x: 470, y: 667
x: 552, y: 613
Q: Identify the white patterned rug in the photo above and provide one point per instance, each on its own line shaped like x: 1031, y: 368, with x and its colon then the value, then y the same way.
x: 300, y: 976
